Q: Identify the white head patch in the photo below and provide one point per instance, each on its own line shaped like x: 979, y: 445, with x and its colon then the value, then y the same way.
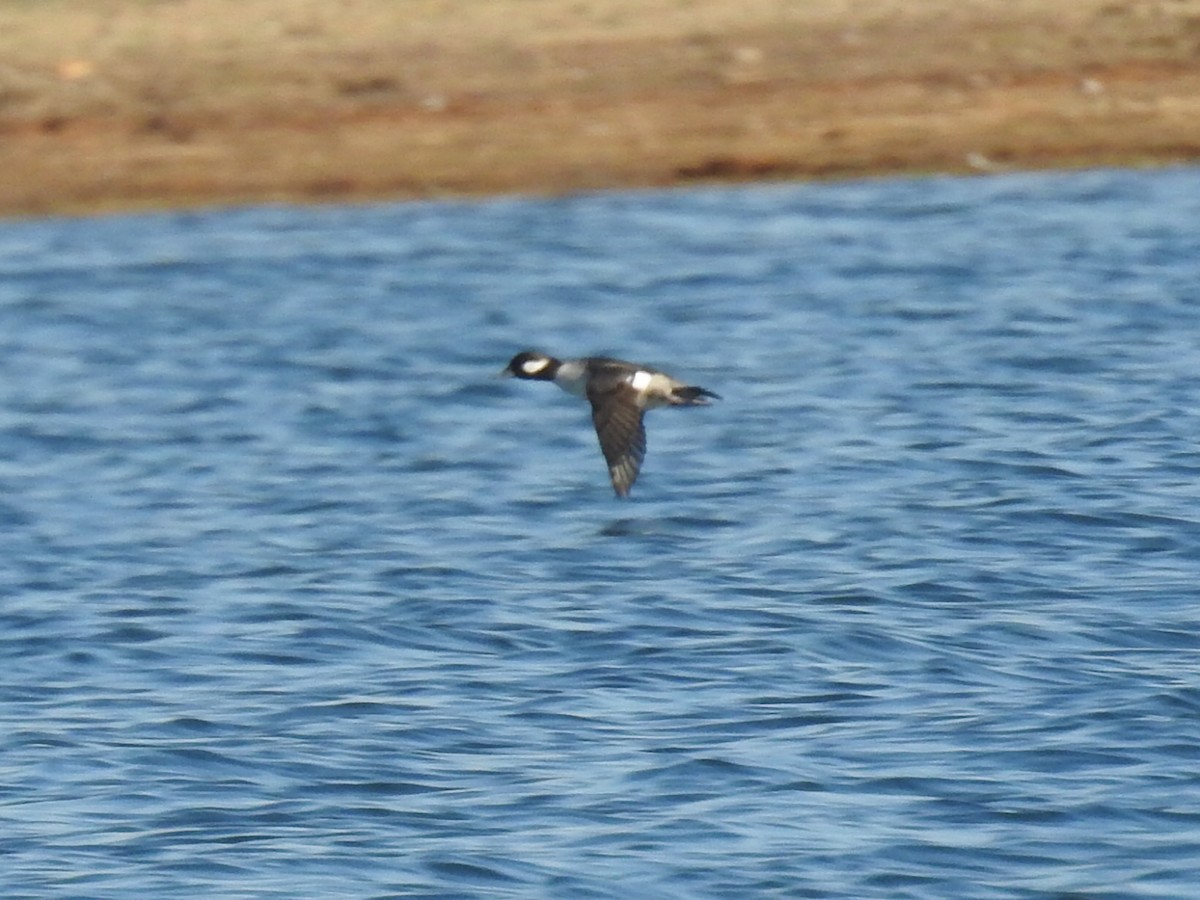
x: 533, y: 366
x: 640, y: 380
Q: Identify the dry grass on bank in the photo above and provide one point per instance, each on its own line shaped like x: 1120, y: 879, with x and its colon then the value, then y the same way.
x: 118, y: 103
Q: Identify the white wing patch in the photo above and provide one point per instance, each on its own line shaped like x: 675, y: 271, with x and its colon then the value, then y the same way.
x: 533, y: 366
x: 640, y: 380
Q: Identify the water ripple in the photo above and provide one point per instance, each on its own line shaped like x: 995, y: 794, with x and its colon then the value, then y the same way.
x: 302, y: 601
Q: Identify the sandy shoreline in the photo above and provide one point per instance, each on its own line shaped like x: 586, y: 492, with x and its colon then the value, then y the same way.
x: 132, y: 104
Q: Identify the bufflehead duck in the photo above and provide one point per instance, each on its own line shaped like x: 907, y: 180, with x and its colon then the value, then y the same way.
x: 620, y: 392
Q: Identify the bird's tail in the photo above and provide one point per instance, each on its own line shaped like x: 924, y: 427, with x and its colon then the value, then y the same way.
x: 689, y: 395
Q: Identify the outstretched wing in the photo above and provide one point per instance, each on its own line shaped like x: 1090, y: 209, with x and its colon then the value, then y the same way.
x: 618, y: 420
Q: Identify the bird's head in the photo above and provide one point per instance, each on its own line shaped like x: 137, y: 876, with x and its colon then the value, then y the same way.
x: 531, y: 364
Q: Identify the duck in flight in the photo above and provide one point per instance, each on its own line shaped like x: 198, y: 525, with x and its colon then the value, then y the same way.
x: 620, y: 392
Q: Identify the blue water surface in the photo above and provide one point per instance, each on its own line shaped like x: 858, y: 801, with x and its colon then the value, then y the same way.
x: 300, y: 600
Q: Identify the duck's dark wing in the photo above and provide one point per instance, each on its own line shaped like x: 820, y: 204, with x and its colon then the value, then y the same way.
x: 618, y: 420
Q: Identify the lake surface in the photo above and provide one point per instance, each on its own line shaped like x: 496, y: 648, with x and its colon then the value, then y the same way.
x: 300, y: 600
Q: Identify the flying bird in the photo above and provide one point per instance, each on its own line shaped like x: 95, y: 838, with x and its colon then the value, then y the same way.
x: 620, y: 392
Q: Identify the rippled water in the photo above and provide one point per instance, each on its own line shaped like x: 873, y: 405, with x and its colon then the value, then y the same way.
x: 301, y: 601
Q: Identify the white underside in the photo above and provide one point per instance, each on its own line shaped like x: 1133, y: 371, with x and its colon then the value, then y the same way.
x: 572, y: 378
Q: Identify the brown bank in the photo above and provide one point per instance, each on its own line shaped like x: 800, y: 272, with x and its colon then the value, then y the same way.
x: 118, y: 104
